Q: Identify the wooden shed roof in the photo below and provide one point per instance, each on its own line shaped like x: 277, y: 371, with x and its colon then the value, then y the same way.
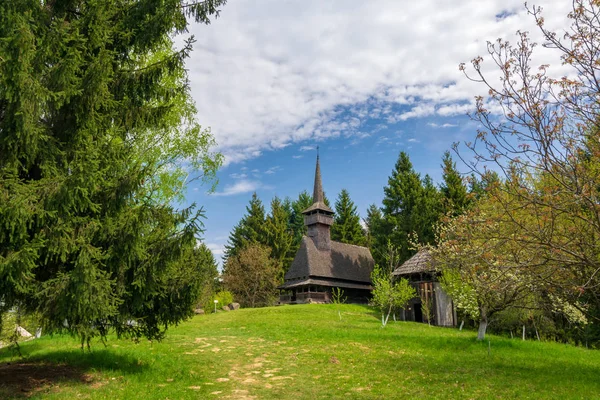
x: 420, y: 262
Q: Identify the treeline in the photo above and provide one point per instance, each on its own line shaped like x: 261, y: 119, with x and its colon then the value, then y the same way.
x: 411, y: 207
x: 269, y: 240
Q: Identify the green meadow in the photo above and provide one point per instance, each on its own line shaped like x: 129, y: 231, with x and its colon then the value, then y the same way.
x: 301, y: 352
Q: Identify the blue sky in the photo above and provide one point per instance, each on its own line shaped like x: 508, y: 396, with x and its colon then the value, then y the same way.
x: 363, y: 80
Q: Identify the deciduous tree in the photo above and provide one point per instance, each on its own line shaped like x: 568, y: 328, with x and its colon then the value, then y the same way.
x: 389, y: 293
x: 546, y: 144
x: 252, y: 276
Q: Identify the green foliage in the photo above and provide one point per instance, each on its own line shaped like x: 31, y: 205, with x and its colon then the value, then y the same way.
x: 252, y: 276
x: 97, y: 124
x: 223, y: 297
x: 374, y: 225
x: 346, y: 227
x: 297, y: 226
x: 204, y: 257
x: 410, y: 206
x: 388, y: 294
x: 453, y: 189
x: 250, y: 229
x: 278, y: 235
x: 30, y: 322
x: 337, y: 296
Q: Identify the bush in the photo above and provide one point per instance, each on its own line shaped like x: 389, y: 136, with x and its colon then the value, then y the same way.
x: 224, y: 297
x: 10, y: 320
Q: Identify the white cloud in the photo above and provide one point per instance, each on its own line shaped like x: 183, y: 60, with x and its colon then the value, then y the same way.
x: 298, y: 156
x: 445, y: 125
x: 238, y: 176
x: 239, y: 187
x: 307, y: 148
x: 272, y: 170
x: 217, y: 249
x: 270, y: 73
x: 413, y: 140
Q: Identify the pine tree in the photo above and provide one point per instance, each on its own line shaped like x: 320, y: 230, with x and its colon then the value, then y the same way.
x: 96, y: 120
x: 346, y: 227
x: 453, y: 188
x: 250, y: 229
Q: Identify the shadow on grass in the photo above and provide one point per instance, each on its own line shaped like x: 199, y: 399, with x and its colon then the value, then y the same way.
x: 24, y: 377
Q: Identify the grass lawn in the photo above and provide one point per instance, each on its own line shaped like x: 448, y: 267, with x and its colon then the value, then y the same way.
x: 301, y: 352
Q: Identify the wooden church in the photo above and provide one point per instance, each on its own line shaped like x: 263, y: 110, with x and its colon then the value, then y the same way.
x: 322, y: 265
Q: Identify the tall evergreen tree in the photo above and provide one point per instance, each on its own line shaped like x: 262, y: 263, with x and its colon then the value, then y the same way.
x: 429, y: 211
x: 346, y: 226
x: 96, y: 120
x: 374, y: 225
x: 250, y: 229
x: 298, y: 229
x: 410, y: 206
x: 278, y: 235
x: 402, y: 196
x: 455, y: 195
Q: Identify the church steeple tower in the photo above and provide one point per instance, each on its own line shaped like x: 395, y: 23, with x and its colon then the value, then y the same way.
x: 318, y: 218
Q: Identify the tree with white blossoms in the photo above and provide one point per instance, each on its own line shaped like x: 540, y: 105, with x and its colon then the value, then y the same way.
x: 484, y: 270
x: 546, y: 143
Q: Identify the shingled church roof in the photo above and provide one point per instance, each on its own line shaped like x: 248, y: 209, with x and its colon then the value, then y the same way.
x: 420, y: 262
x: 345, y: 262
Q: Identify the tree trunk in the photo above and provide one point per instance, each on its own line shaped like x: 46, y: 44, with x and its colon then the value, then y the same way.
x: 483, y: 323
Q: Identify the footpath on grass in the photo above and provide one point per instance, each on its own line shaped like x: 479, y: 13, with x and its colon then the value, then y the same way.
x: 306, y: 352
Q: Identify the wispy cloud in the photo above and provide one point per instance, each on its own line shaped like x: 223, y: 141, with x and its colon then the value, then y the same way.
x: 238, y: 176
x: 217, y: 249
x: 239, y: 187
x: 298, y: 156
x: 445, y: 125
x: 272, y: 170
x: 288, y: 77
x: 413, y: 140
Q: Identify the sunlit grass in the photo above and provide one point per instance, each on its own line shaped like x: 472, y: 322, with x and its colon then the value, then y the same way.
x: 308, y: 352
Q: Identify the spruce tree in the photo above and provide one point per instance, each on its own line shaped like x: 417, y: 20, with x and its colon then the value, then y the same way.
x: 278, y: 236
x: 373, y: 222
x: 346, y: 226
x: 250, y: 229
x: 402, y: 198
x: 96, y: 121
x: 297, y: 226
x: 411, y: 206
x: 428, y: 212
x: 453, y: 188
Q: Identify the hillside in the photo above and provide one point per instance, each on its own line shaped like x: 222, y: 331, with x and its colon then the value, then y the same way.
x: 301, y: 352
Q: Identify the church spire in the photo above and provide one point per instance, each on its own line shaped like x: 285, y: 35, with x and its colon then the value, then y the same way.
x: 318, y: 190
x: 319, y: 217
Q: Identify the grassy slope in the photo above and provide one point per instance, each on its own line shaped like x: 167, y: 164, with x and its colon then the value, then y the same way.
x: 306, y: 352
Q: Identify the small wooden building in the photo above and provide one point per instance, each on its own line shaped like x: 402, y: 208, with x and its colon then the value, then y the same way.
x: 322, y: 265
x: 420, y: 272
